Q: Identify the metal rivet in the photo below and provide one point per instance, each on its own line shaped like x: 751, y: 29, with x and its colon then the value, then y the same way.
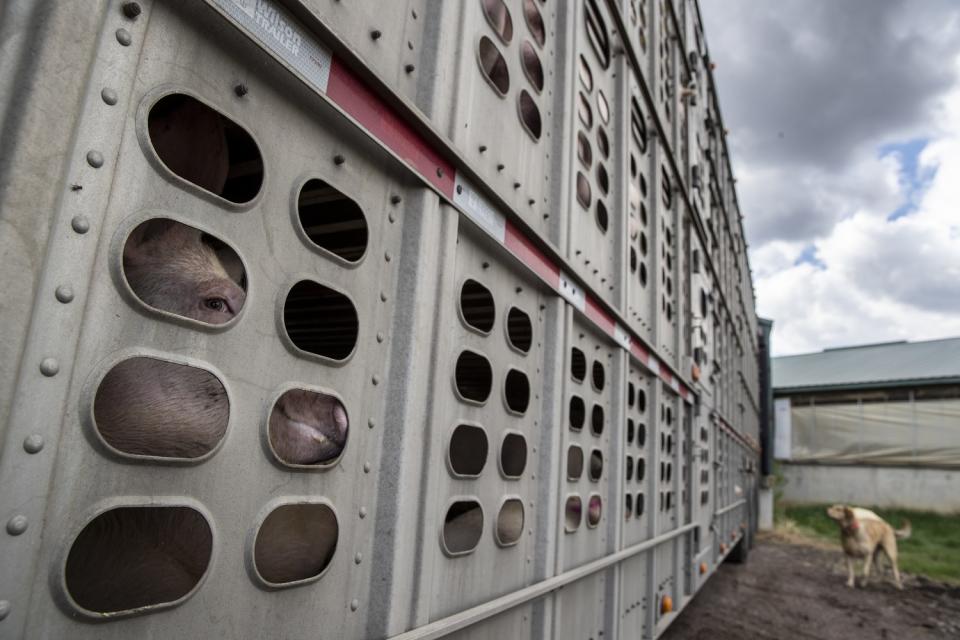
x: 379, y: 337
x: 64, y: 293
x: 354, y: 604
x: 358, y: 558
x: 4, y: 609
x: 49, y: 367
x: 531, y: 202
x: 459, y: 188
x: 109, y: 96
x: 33, y: 443
x: 439, y: 172
x: 376, y: 34
x: 387, y: 256
x: 95, y: 159
x: 339, y: 159
x: 80, y: 224
x: 363, y: 512
x: 375, y: 379
x: 17, y: 524
x: 500, y: 167
x: 483, y: 148
x: 124, y: 37
x: 485, y: 265
x: 516, y: 185
x: 131, y: 10
x: 240, y: 90
x: 391, y: 218
x: 371, y: 423
x: 409, y: 68
x: 395, y: 199
x: 366, y: 467
x: 383, y: 297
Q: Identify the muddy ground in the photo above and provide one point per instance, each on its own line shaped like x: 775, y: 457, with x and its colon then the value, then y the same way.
x: 792, y: 590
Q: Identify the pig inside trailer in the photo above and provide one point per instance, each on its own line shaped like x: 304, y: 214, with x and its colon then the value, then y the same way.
x: 321, y: 351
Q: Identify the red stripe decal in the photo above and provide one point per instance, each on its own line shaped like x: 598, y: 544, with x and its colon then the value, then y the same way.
x: 642, y: 354
x: 520, y: 246
x: 666, y: 375
x: 599, y: 316
x: 369, y: 111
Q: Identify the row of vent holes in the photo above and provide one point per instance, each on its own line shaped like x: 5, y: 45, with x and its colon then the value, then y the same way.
x: 666, y: 471
x: 578, y: 414
x: 637, y: 396
x: 498, y: 15
x: 641, y: 430
x: 133, y: 422
x: 641, y: 468
x: 575, y: 464
x: 170, y: 548
x: 474, y: 379
x: 666, y: 442
x: 469, y: 447
x: 463, y: 525
x: 573, y: 512
x: 666, y: 500
x: 480, y: 312
x: 578, y: 369
x: 628, y: 511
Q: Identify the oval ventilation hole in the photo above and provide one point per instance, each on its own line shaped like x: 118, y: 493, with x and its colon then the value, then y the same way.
x: 320, y: 321
x: 532, y: 68
x: 638, y: 505
x: 493, y: 66
x: 599, y: 376
x: 462, y: 527
x: 603, y: 180
x: 603, y: 107
x: 128, y: 558
x: 534, y: 22
x: 585, y: 75
x: 641, y: 435
x: 631, y: 394
x: 468, y: 450
x: 603, y: 143
x: 633, y: 174
x: 516, y: 391
x: 205, y: 148
x: 308, y: 428
x: 594, y: 511
x: 578, y: 364
x: 583, y: 190
x: 596, y: 420
x: 332, y: 221
x: 669, y: 471
x: 519, y: 329
x: 513, y: 455
x: 665, y: 192
x: 643, y: 275
x: 477, y: 306
x: 510, y: 522
x: 574, y: 462
x: 638, y: 127
x: 596, y: 465
x: 629, y: 468
x: 597, y: 33
x: 633, y: 260
x: 573, y: 513
x: 641, y: 401
x: 295, y: 543
x: 584, y: 111
x: 663, y: 472
x: 149, y: 407
x: 473, y: 376
x: 641, y: 469
x: 603, y: 219
x: 529, y: 114
x: 499, y: 18
x: 630, y: 430
x: 179, y: 269
x: 643, y: 243
x: 628, y: 507
x: 584, y: 152
x: 643, y: 210
x: 643, y: 190
x: 578, y: 413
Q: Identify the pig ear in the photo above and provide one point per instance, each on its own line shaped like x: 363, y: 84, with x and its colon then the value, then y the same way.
x: 144, y: 233
x: 847, y: 511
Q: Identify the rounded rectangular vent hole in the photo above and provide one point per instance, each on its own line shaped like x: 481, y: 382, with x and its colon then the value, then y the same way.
x: 308, y: 428
x: 599, y: 375
x: 516, y: 391
x: 295, y: 543
x: 641, y: 435
x: 603, y: 143
x: 583, y: 190
x: 641, y: 469
x: 603, y: 107
x: 473, y: 376
x: 638, y: 127
x: 180, y: 269
x: 493, y: 66
x: 628, y: 507
x: 597, y: 33
x: 630, y: 430
x: 129, y: 558
x: 530, y: 114
x: 596, y: 420
x: 596, y: 465
x: 629, y: 468
x: 531, y: 65
x: 603, y: 181
x: 641, y: 401
x: 332, y: 221
x: 462, y: 527
x: 149, y: 407
x: 578, y: 413
x: 574, y: 462
x: 584, y: 151
x: 584, y: 111
x: 510, y: 522
x: 639, y: 505
x: 498, y: 16
x: 603, y: 218
x: 519, y: 329
x: 534, y: 22
x: 468, y: 450
x: 205, y: 148
x: 320, y: 320
x: 578, y: 364
x: 594, y: 511
x: 573, y: 514
x: 477, y: 306
x: 513, y: 455
x: 585, y: 75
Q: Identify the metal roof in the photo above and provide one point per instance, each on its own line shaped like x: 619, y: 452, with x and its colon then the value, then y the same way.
x: 871, y: 365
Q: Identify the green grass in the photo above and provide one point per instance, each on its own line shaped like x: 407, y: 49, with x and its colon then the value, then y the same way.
x: 932, y: 550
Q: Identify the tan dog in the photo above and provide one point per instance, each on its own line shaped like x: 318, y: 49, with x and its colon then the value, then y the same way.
x: 863, y: 534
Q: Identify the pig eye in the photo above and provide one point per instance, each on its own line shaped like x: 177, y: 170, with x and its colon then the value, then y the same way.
x: 215, y: 304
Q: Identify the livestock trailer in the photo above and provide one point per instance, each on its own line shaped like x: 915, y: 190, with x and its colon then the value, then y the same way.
x: 357, y: 319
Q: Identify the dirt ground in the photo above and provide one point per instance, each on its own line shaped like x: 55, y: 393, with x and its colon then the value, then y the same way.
x: 793, y: 590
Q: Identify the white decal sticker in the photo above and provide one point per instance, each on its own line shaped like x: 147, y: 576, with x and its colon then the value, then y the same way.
x: 478, y: 208
x: 571, y: 292
x: 621, y: 336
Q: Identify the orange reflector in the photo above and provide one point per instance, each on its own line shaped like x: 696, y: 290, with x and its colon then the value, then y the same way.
x: 703, y: 568
x: 666, y: 605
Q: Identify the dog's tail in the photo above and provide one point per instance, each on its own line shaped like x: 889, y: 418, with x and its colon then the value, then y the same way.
x: 904, y: 531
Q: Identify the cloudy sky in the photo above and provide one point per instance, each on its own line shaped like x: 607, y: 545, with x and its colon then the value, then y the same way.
x: 844, y: 121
